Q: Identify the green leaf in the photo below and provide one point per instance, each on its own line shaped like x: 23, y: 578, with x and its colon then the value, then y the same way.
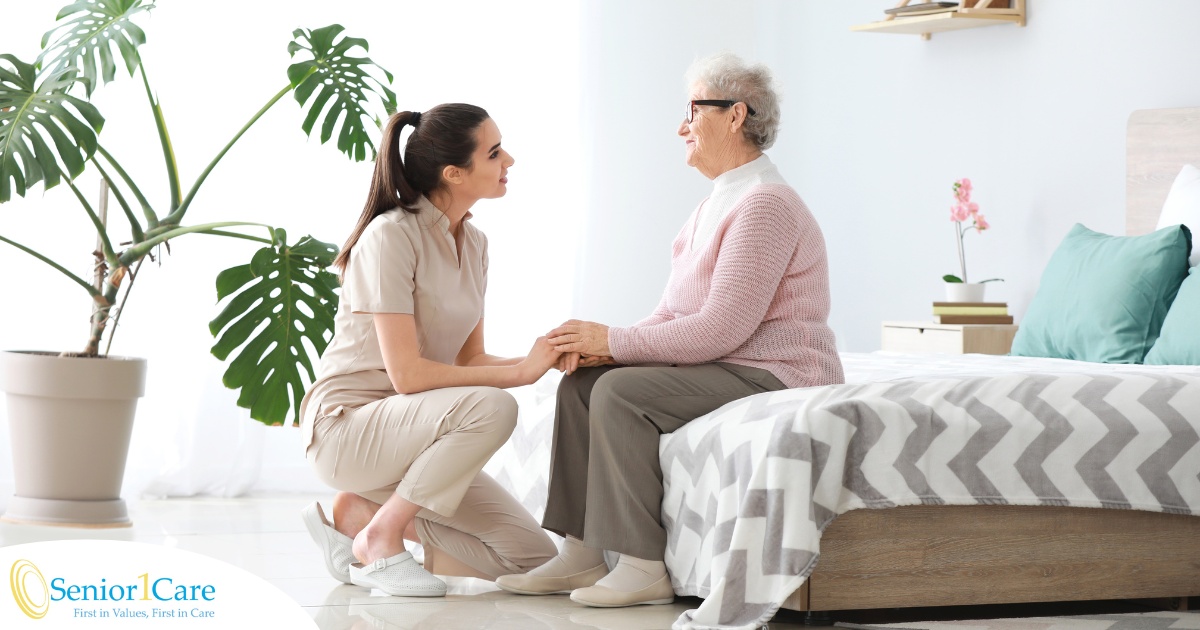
x: 346, y: 86
x: 265, y: 316
x: 91, y: 29
x: 34, y: 117
x: 992, y: 280
x: 951, y: 278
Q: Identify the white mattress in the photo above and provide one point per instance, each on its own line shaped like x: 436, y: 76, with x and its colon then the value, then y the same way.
x: 866, y: 367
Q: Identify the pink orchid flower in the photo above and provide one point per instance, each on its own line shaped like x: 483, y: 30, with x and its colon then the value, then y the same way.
x: 962, y: 190
x: 962, y: 211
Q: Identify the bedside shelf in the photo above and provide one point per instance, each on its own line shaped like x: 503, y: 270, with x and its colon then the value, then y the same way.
x: 928, y: 337
x: 925, y: 25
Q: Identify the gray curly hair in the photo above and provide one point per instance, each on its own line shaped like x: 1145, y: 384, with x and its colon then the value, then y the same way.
x: 728, y: 77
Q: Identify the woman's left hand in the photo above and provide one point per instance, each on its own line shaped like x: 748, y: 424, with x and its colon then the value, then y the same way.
x: 580, y: 336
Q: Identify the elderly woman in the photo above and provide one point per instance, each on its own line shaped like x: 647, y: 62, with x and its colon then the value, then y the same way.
x: 744, y: 312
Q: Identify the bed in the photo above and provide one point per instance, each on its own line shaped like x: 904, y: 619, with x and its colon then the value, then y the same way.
x: 767, y: 499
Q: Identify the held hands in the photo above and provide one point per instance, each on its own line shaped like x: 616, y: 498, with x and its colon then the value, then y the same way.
x: 587, y: 338
x: 542, y: 356
x: 568, y: 362
x: 583, y: 344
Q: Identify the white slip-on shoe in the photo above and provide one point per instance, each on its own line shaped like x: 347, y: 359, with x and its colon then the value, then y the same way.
x: 398, y: 575
x: 335, y: 546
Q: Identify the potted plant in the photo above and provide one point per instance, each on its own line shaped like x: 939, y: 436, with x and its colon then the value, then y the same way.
x: 958, y: 289
x: 71, y: 413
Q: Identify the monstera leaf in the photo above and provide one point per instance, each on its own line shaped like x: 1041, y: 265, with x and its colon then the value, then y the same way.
x: 95, y: 28
x: 35, y: 115
x: 339, y: 86
x: 284, y: 296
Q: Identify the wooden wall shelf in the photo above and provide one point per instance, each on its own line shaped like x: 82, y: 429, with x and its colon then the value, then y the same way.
x: 926, y: 25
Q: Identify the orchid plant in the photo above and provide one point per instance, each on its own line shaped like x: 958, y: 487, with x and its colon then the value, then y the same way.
x: 961, y: 212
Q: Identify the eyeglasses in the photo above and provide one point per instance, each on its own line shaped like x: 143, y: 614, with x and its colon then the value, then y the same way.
x: 691, y: 107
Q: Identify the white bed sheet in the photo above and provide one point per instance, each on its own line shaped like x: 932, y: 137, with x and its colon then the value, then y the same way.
x: 867, y: 367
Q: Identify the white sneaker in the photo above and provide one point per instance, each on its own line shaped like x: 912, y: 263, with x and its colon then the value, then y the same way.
x: 335, y: 546
x: 398, y: 575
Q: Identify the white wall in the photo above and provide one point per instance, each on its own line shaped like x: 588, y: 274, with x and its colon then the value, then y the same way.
x: 876, y: 127
x: 639, y: 190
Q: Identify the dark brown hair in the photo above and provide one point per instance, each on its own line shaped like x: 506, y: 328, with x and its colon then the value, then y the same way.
x: 443, y: 136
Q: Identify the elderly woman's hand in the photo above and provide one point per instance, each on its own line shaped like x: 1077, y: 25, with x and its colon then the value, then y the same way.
x: 568, y: 362
x: 596, y: 361
x: 583, y: 337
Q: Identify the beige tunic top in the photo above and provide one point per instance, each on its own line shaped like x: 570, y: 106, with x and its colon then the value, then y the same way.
x: 402, y: 263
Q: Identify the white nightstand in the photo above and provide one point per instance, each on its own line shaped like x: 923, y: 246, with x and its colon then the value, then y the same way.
x: 948, y: 338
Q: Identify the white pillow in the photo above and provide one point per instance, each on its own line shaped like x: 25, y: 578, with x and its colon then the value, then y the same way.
x: 1183, y: 207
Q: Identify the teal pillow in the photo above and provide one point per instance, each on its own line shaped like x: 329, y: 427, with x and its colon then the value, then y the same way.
x: 1104, y: 298
x: 1179, y: 342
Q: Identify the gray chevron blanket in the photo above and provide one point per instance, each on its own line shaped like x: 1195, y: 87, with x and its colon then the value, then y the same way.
x: 750, y: 487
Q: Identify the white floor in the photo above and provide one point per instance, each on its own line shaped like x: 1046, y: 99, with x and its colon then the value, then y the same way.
x: 264, y: 535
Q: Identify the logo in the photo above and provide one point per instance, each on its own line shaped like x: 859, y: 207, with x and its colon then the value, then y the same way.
x: 23, y: 573
x: 61, y: 583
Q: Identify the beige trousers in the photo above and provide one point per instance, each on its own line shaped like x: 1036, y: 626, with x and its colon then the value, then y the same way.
x: 430, y: 448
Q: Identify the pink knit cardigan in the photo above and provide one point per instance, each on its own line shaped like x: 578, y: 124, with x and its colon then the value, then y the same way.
x: 756, y: 294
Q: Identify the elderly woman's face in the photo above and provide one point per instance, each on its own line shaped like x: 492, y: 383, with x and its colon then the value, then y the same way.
x: 708, y: 137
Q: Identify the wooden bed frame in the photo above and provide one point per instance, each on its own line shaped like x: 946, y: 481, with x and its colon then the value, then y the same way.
x: 956, y: 555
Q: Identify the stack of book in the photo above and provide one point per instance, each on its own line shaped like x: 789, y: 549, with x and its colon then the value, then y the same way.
x: 924, y: 8
x: 971, y: 313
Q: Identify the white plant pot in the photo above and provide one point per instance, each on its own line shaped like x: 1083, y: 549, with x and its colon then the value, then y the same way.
x: 964, y: 291
x: 70, y: 419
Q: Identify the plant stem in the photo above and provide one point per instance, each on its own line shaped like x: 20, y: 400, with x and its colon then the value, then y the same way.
x: 121, y: 309
x: 962, y: 259
x: 151, y: 217
x: 99, y: 309
x: 134, y: 226
x: 102, y: 206
x: 176, y: 215
x: 236, y: 235
x: 141, y: 249
x: 163, y: 137
x: 109, y: 255
x: 92, y: 291
x: 100, y: 318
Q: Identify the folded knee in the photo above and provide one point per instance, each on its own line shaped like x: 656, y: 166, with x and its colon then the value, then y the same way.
x: 496, y: 405
x: 613, y: 386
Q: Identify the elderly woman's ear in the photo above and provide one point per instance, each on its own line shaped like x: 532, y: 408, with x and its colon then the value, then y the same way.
x: 739, y: 112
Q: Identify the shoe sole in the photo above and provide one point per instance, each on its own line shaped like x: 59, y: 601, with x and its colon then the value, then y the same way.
x: 653, y: 602
x: 400, y: 592
x: 519, y: 591
x: 312, y: 522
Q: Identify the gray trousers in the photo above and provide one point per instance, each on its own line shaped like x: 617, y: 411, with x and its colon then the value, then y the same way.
x: 605, y: 479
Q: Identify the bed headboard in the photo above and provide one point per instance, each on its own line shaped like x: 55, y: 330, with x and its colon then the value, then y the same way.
x: 1159, y: 142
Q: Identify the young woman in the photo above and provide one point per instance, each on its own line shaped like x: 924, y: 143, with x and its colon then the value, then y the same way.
x: 407, y: 406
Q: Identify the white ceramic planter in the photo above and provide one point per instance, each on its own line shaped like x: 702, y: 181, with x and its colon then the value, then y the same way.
x: 70, y: 419
x: 964, y: 291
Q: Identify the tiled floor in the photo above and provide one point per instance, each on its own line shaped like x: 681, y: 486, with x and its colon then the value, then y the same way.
x: 264, y: 535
